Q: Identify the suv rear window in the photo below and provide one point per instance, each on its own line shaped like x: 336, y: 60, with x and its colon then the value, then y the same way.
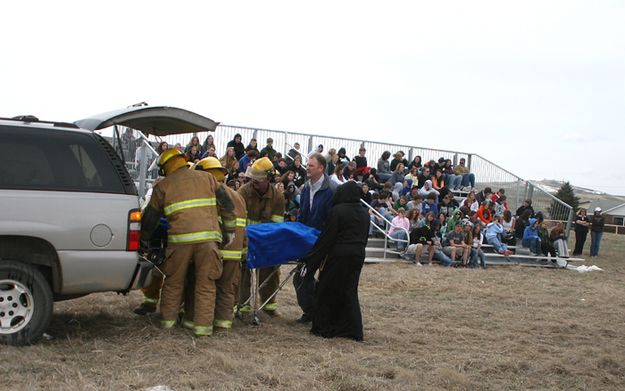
x: 53, y: 159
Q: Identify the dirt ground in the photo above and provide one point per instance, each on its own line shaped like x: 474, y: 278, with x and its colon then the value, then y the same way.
x: 434, y: 328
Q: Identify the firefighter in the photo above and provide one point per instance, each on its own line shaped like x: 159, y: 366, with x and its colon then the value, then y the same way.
x: 192, y: 202
x: 228, y: 284
x: 264, y: 205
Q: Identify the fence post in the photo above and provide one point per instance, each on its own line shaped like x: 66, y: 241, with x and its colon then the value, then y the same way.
x: 469, y: 159
x: 310, y: 145
x: 286, y: 142
x: 143, y: 167
x: 569, y: 222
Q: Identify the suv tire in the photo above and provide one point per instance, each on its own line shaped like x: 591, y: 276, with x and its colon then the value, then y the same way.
x: 25, y: 303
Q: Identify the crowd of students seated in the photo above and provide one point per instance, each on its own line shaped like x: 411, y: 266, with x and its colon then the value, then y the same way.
x: 433, y: 206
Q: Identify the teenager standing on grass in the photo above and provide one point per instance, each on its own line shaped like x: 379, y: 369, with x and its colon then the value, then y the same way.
x: 597, y: 221
x: 581, y: 231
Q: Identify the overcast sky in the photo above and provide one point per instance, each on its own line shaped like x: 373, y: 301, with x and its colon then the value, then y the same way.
x: 538, y: 87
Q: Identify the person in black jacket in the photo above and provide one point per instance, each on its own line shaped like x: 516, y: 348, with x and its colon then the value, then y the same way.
x: 342, y: 245
x: 239, y: 148
x: 581, y: 231
x: 596, y: 231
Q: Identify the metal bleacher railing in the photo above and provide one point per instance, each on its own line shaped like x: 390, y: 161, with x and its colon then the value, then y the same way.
x: 487, y: 173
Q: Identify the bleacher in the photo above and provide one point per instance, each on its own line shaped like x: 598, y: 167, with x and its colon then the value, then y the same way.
x: 487, y: 173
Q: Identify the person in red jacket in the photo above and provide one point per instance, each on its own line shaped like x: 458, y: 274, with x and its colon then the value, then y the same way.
x: 486, y: 211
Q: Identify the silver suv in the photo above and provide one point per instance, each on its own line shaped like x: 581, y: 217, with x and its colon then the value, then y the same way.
x: 69, y: 217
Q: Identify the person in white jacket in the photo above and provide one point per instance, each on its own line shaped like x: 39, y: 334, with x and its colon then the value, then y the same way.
x: 427, y: 189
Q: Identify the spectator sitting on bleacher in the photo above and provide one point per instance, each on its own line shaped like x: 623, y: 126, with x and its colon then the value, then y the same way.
x: 424, y: 176
x: 508, y: 222
x: 484, y: 195
x: 414, y: 193
x: 193, y: 155
x: 420, y: 237
x: 453, y: 181
x: 230, y: 162
x: 195, y: 141
x: 384, y: 167
x: 397, y: 179
x: 380, y: 205
x: 372, y: 180
x: 299, y: 170
x: 438, y: 183
x: 349, y: 172
x: 398, y: 158
x: 427, y: 190
x: 337, y: 175
x: 500, y: 193
x: 500, y: 205
x: 288, y: 177
x: 494, y: 232
x: 522, y: 222
x: 416, y: 163
x: 333, y: 161
x: 413, y: 175
x: 413, y: 218
x: 442, y: 220
x: 559, y: 240
x: 247, y: 159
x: 471, y: 202
x: 331, y: 153
x: 268, y: 150
x: 210, y: 152
x: 446, y: 206
x: 415, y: 202
x: 291, y: 197
x: 362, y: 167
x: 527, y: 205
x: 402, y: 202
x: 237, y: 146
x: 455, y: 219
x: 531, y: 239
x: 366, y: 193
x: 342, y: 156
x: 486, y: 211
x: 253, y: 145
x: 546, y: 245
x: 208, y: 142
x: 293, y: 152
x: 399, y: 224
x: 429, y: 205
x: 468, y: 178
x: 281, y: 166
x: 478, y: 240
x: 455, y: 245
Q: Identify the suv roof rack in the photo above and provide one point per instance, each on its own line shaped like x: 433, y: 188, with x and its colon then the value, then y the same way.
x: 32, y: 118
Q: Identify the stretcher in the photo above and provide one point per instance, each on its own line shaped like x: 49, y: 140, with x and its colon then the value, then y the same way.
x: 270, y: 245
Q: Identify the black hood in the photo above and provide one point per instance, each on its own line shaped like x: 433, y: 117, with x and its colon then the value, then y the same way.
x: 347, y: 193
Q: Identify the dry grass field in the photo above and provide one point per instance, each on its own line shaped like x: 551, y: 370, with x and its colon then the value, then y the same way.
x: 504, y: 328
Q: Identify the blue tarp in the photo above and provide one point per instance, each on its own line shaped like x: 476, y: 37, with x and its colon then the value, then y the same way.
x: 277, y: 243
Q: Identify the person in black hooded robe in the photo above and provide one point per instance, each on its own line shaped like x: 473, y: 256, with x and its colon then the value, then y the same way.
x: 339, y: 253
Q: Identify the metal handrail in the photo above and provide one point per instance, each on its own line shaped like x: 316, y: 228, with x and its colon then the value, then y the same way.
x: 286, y: 154
x: 384, y: 231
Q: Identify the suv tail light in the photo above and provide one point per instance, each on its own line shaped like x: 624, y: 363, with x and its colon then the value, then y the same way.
x: 134, y: 228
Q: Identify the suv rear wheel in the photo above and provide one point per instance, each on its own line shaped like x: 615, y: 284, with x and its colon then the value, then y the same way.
x: 25, y: 303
